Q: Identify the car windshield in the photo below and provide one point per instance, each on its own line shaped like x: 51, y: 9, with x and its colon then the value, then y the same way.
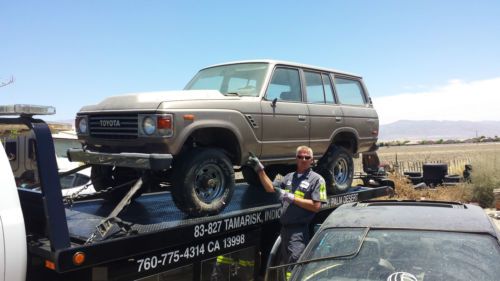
x: 245, y: 79
x: 401, y: 255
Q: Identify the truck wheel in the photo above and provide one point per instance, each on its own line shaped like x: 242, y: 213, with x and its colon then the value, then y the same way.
x: 203, y: 182
x: 337, y: 168
x: 109, y: 176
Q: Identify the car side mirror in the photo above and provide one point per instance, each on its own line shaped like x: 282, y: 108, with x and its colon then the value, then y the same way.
x: 273, y: 103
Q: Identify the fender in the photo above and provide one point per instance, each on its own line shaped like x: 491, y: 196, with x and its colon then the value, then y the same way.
x: 346, y: 130
x: 233, y: 121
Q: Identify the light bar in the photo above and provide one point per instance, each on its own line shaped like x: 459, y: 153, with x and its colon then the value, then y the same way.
x: 27, y: 109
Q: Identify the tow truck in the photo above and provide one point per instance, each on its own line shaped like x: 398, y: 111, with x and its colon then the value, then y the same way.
x: 45, y: 236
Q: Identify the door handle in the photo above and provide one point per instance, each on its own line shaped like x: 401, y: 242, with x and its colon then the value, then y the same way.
x: 338, y: 118
x: 302, y: 118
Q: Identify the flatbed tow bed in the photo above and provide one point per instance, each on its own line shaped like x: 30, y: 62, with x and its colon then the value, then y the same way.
x: 150, y: 239
x: 157, y: 230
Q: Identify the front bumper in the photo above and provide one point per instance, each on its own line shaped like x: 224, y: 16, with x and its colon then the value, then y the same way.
x: 146, y: 161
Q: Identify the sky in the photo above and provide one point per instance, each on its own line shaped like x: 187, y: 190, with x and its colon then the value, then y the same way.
x: 420, y: 60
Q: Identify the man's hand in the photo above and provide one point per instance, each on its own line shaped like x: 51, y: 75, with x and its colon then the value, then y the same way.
x: 254, y: 162
x: 284, y: 195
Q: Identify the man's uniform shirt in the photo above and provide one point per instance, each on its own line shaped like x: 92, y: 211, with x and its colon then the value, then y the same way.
x: 309, y: 185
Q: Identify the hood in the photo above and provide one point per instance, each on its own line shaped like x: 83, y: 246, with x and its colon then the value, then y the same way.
x: 151, y: 100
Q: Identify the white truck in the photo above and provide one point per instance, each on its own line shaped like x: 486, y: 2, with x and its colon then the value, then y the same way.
x: 43, y: 237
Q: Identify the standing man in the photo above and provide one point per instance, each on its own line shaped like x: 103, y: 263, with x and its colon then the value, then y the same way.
x: 301, y: 194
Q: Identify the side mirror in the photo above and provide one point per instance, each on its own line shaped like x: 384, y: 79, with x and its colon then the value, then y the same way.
x: 273, y: 103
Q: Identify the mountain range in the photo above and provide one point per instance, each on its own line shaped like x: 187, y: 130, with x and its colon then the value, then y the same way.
x: 427, y: 130
x: 435, y: 130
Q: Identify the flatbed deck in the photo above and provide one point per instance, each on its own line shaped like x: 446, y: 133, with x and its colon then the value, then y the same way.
x: 156, y: 211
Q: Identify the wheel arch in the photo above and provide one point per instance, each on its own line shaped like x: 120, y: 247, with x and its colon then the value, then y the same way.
x: 224, y: 138
x: 346, y: 138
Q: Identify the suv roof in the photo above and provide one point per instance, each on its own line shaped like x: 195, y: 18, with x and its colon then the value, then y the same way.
x: 425, y: 215
x: 289, y: 63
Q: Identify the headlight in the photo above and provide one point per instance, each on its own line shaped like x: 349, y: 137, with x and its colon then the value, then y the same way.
x: 149, y: 125
x: 82, y: 125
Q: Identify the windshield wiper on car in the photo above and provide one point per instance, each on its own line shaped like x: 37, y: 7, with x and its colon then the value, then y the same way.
x: 347, y: 255
x: 233, y: 94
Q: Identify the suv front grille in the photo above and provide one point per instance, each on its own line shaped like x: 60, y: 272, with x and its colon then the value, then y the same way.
x: 113, y: 126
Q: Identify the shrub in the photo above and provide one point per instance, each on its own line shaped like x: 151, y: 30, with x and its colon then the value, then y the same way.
x: 485, y: 177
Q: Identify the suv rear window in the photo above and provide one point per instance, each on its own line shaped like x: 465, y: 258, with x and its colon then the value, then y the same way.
x: 349, y: 91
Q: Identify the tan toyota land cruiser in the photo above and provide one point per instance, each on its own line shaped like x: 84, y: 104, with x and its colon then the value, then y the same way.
x: 226, y: 111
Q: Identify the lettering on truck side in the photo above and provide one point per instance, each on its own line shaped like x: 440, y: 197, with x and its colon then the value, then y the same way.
x: 191, y: 252
x: 210, y: 228
x: 339, y: 200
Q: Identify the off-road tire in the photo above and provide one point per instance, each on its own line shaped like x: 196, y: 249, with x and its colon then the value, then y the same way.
x: 413, y: 174
x: 452, y: 179
x: 202, y: 173
x: 337, y: 168
x: 103, y: 177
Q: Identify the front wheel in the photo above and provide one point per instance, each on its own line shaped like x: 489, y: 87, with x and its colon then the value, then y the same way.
x: 203, y: 182
x: 337, y: 168
x: 104, y: 177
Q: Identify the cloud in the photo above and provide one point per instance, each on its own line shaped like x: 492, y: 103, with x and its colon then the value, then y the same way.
x: 457, y: 100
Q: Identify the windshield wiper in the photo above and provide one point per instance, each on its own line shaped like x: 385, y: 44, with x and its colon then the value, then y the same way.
x: 233, y: 94
x: 352, y: 254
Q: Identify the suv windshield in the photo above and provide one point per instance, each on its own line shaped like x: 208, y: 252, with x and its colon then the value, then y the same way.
x: 400, y: 254
x: 245, y: 79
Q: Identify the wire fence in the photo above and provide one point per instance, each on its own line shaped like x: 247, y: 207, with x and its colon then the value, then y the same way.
x: 455, y: 166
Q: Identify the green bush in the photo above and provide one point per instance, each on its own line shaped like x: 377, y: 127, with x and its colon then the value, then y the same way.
x: 485, y: 177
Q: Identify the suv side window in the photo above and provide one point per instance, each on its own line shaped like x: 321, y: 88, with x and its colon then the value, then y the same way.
x: 349, y: 91
x: 327, y: 83
x: 285, y: 85
x: 314, y: 87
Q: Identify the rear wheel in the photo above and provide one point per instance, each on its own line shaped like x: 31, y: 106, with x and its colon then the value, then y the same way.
x: 337, y: 168
x: 104, y: 177
x: 203, y: 182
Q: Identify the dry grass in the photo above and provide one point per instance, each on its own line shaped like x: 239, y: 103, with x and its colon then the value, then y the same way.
x: 485, y: 159
x: 405, y: 190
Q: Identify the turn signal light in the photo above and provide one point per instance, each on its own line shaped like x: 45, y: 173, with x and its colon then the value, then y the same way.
x: 50, y: 265
x: 164, y: 122
x: 188, y: 117
x: 78, y: 258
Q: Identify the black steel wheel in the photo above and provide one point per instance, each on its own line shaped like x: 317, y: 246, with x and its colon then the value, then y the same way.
x: 104, y: 177
x: 337, y: 168
x: 203, y: 182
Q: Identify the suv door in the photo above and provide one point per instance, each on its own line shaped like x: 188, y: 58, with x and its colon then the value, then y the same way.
x: 358, y: 110
x: 325, y: 115
x: 285, y: 123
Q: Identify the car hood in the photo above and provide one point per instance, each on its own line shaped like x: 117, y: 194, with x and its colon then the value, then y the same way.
x: 151, y: 100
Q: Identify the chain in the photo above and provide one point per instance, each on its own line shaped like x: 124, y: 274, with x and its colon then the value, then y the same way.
x: 91, y: 238
x: 70, y: 199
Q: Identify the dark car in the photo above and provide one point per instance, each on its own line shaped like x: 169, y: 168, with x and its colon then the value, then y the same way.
x: 401, y: 240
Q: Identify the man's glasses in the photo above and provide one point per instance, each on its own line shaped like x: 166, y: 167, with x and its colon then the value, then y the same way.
x: 303, y: 157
